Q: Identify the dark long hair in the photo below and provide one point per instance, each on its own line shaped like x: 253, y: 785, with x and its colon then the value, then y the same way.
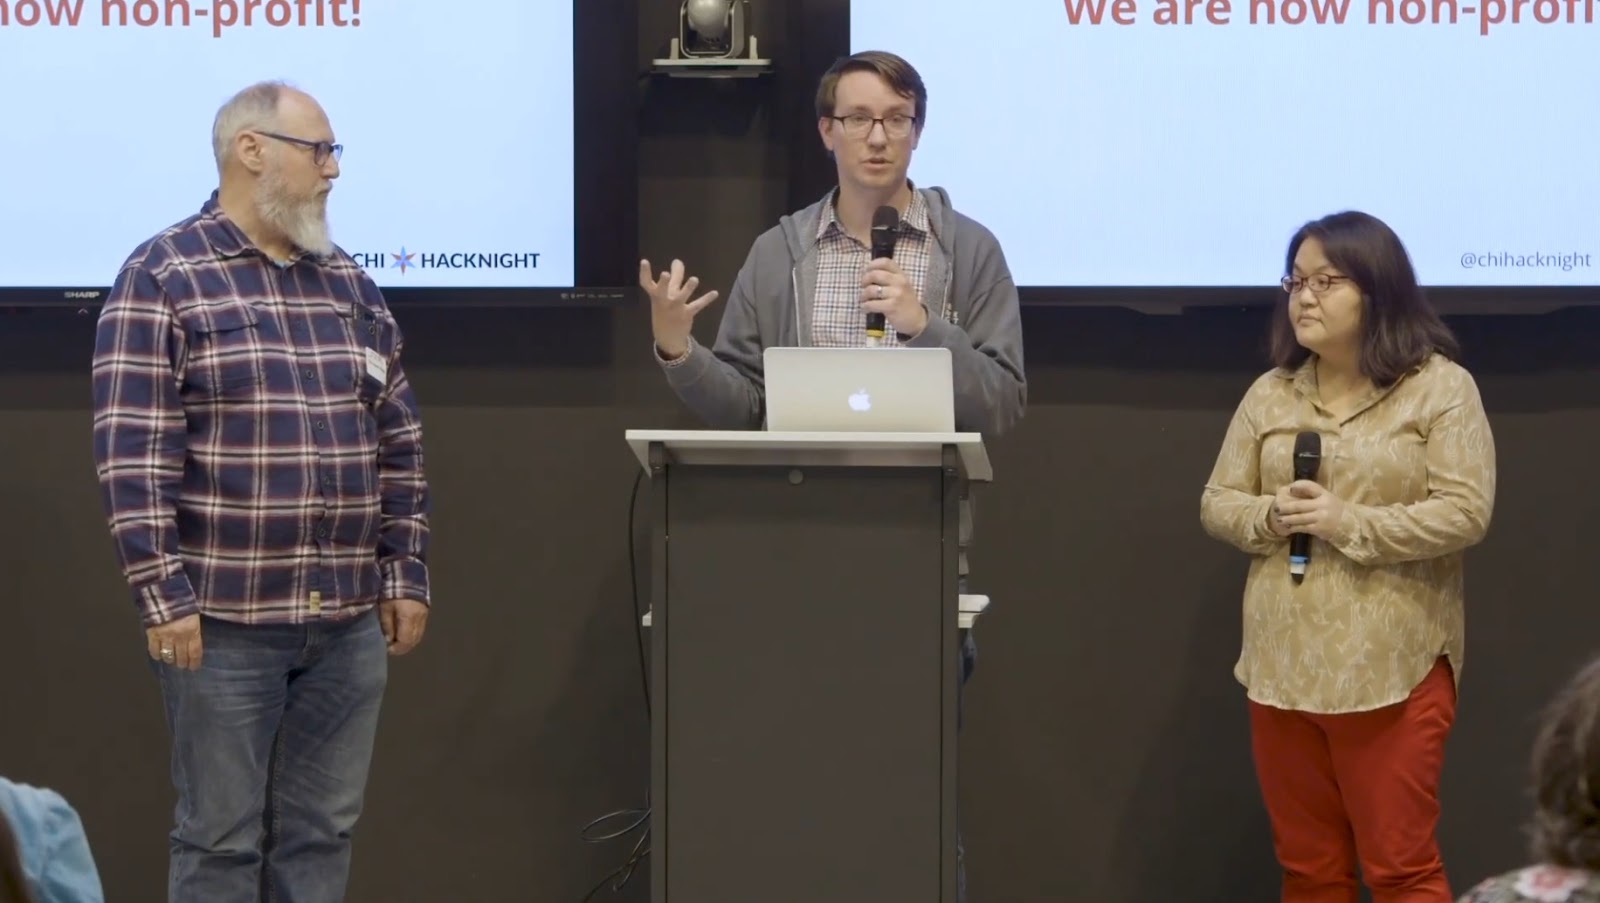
x: 1399, y: 327
x: 13, y: 883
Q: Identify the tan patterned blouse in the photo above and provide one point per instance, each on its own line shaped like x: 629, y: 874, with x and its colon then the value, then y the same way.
x: 1415, y: 466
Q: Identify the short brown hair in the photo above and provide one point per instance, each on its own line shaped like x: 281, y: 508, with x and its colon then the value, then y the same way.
x: 1566, y: 773
x: 901, y: 77
x: 1399, y: 327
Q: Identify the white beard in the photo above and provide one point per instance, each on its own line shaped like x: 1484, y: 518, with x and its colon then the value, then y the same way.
x: 304, y: 221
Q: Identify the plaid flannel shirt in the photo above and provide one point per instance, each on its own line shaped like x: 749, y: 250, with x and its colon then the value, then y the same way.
x: 836, y: 308
x: 258, y: 446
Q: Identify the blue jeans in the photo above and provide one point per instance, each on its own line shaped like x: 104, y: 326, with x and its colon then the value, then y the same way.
x: 271, y: 742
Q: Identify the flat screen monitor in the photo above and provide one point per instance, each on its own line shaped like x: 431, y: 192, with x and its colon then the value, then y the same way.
x: 458, y: 175
x: 1178, y: 144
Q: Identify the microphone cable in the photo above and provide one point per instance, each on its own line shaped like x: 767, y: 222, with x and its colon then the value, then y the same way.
x: 619, y: 877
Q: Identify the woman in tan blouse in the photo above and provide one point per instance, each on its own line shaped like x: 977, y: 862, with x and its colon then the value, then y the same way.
x: 1352, y: 674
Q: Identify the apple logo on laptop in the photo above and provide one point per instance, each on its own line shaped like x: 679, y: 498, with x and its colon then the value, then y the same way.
x: 860, y: 400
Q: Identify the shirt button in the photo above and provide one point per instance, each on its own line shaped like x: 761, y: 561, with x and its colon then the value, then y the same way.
x: 311, y: 374
x: 321, y: 425
x: 323, y: 532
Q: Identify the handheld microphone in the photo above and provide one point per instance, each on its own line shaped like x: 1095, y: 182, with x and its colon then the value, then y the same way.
x: 884, y: 221
x: 1307, y: 460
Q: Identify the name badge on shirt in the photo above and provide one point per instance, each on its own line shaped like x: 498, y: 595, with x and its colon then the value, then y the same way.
x: 377, y: 367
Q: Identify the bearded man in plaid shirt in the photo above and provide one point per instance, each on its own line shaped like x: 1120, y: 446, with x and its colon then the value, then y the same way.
x: 259, y: 451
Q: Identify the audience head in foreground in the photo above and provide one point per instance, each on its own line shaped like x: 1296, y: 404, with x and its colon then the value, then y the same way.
x: 1565, y: 830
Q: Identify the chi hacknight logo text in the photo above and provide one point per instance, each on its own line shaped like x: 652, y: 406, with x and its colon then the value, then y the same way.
x: 447, y: 260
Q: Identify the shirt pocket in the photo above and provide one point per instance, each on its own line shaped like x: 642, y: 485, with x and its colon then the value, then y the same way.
x: 225, y: 356
x: 365, y: 330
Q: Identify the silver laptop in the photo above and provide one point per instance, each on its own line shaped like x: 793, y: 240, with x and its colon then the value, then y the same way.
x: 854, y: 390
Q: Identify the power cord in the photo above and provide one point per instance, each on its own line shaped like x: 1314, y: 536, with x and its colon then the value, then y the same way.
x: 619, y: 877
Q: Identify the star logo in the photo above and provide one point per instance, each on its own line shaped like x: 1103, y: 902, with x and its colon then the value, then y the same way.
x: 402, y: 260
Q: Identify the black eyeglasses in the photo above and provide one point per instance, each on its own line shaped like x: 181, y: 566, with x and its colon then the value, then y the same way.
x: 1319, y: 282
x: 858, y: 125
x: 320, y: 150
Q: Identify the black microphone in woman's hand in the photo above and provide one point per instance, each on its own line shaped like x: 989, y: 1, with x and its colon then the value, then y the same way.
x: 884, y: 221
x: 1307, y: 460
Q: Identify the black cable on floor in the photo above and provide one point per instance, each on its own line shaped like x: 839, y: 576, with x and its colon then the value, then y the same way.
x: 619, y: 877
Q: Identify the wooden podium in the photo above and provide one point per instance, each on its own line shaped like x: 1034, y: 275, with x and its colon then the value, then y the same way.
x: 804, y: 619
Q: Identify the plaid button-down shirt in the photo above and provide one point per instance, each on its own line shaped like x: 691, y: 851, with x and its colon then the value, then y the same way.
x: 258, y: 446
x: 836, y: 317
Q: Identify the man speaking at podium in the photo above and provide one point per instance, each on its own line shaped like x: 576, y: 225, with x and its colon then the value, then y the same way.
x: 811, y: 279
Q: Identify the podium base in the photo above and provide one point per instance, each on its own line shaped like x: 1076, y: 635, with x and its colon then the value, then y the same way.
x: 805, y: 678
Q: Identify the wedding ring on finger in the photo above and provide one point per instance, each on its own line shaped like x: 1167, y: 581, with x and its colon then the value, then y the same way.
x: 167, y: 653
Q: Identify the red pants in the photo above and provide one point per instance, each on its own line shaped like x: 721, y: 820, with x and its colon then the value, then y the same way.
x: 1358, y: 787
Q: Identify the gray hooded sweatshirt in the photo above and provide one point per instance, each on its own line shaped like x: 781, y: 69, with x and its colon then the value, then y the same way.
x: 971, y: 300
